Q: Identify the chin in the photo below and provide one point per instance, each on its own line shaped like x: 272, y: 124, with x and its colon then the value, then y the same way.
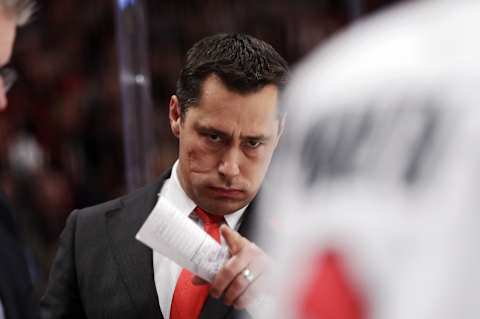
x: 225, y: 207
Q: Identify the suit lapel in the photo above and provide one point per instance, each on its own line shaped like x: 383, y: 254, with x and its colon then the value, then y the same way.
x: 215, y: 308
x: 133, y: 258
x: 247, y: 227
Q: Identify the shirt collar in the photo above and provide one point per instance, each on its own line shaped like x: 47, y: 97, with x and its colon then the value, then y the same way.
x: 174, y: 193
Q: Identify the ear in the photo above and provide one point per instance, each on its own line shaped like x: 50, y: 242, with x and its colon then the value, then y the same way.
x: 174, y: 114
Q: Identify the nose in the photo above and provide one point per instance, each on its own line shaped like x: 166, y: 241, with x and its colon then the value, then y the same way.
x: 229, y: 164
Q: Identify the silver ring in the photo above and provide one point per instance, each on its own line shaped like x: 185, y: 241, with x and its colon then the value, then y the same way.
x: 248, y: 275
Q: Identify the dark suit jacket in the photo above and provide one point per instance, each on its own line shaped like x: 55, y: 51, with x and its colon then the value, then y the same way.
x: 102, y: 271
x: 15, y: 284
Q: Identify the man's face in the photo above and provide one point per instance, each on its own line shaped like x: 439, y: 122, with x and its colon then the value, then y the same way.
x: 7, y: 35
x: 226, y: 142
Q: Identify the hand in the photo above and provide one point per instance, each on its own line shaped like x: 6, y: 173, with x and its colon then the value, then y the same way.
x: 230, y: 282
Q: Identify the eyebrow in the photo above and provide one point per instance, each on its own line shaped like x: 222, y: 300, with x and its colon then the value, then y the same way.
x: 210, y: 130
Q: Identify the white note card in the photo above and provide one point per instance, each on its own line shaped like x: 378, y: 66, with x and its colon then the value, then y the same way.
x: 180, y: 239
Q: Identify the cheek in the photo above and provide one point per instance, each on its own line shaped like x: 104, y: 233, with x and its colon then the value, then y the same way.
x: 257, y: 166
x: 200, y: 159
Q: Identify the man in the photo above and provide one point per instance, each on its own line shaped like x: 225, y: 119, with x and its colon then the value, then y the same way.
x: 15, y: 285
x: 226, y: 118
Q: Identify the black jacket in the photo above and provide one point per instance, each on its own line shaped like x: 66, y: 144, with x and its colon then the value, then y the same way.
x: 102, y: 271
x: 16, y: 293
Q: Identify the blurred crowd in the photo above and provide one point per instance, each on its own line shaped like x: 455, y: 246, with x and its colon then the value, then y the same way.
x: 61, y: 144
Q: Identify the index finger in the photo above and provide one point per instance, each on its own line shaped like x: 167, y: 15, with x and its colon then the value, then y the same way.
x: 234, y: 240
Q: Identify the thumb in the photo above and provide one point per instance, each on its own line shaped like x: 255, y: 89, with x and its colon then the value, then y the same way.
x: 234, y: 240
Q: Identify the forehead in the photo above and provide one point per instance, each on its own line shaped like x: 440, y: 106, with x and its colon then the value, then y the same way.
x: 7, y: 36
x: 228, y: 110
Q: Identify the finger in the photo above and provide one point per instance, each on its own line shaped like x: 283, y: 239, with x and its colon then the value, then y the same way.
x: 253, y: 291
x: 246, y: 298
x: 236, y: 289
x: 227, y: 274
x: 234, y: 240
x: 240, y: 285
x: 227, y: 281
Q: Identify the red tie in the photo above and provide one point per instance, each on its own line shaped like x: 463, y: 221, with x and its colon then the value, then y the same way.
x: 188, y: 299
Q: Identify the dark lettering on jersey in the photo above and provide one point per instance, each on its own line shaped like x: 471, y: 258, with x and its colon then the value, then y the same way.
x: 373, y: 143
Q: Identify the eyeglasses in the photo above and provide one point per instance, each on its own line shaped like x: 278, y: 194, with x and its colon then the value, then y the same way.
x: 9, y: 76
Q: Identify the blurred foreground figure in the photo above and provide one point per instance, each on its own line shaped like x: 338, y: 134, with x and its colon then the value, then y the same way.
x: 16, y: 300
x: 377, y: 179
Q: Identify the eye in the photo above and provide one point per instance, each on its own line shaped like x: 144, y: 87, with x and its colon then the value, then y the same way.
x: 253, y: 143
x: 215, y: 138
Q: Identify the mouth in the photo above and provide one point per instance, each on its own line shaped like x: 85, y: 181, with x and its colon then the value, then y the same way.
x: 232, y: 193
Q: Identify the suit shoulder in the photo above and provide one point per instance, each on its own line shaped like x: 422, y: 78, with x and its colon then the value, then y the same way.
x: 102, y: 207
x: 117, y: 203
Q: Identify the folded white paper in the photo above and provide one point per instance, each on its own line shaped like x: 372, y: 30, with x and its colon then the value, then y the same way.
x: 180, y: 239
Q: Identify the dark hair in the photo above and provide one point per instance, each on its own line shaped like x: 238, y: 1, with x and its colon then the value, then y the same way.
x: 243, y: 63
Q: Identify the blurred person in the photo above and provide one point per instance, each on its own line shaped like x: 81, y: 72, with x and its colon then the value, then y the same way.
x: 16, y: 292
x: 228, y: 124
x: 376, y: 183
x: 13, y: 14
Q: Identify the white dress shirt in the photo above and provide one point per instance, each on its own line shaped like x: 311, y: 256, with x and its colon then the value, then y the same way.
x: 165, y: 271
